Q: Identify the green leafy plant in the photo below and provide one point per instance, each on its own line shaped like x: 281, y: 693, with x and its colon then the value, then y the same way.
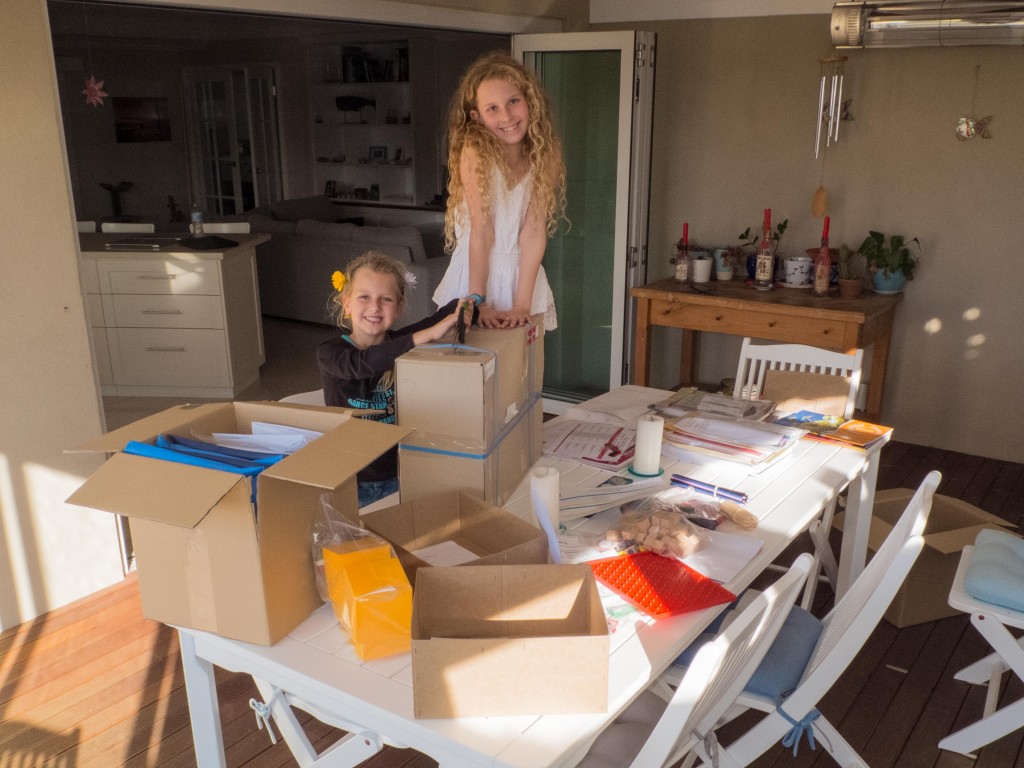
x: 889, y: 254
x: 746, y: 240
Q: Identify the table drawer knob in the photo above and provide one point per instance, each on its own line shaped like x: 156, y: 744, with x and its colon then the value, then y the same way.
x: 772, y: 324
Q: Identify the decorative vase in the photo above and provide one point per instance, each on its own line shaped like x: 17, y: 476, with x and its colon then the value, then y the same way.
x: 850, y: 287
x: 751, y: 265
x: 891, y: 282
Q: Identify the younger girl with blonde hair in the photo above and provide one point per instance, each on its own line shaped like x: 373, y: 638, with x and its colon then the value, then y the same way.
x: 357, y: 370
x: 506, y: 193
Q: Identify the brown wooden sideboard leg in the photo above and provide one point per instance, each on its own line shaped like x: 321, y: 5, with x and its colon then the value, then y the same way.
x: 642, y: 349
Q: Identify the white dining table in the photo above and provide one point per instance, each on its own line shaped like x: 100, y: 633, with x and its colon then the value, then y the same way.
x: 315, y: 667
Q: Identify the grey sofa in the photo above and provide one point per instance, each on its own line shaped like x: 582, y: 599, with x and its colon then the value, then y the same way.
x: 308, y: 243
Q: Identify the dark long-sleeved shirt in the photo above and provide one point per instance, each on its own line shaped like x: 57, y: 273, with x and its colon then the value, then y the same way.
x: 351, y: 378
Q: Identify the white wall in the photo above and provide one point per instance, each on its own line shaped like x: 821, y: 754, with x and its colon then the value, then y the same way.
x: 735, y: 101
x: 50, y: 553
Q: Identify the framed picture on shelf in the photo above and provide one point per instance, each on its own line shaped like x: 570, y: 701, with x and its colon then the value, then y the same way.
x: 378, y: 154
x: 331, y: 189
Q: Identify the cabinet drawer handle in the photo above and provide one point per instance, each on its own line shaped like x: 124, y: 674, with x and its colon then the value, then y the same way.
x: 772, y: 324
x: 156, y: 277
x: 718, y: 318
x: 161, y: 312
x: 165, y: 349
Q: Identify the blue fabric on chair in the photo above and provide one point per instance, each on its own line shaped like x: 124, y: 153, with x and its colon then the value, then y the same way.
x: 996, y: 570
x: 786, y: 660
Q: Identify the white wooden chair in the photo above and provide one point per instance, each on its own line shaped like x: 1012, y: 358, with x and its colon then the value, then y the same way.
x: 798, y: 366
x: 992, y: 621
x: 652, y: 732
x: 120, y: 226
x: 316, y: 397
x: 220, y: 227
x: 86, y: 226
x: 844, y: 631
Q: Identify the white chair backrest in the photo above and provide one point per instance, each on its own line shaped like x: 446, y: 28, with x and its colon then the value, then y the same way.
x: 118, y: 226
x: 757, y: 359
x: 219, y: 227
x: 86, y: 226
x: 316, y: 397
x: 721, y: 669
x: 847, y: 626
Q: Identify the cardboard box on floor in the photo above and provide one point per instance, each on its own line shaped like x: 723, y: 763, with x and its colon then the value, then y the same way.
x: 208, y: 559
x: 495, y: 536
x: 952, y: 524
x: 492, y: 475
x: 537, y: 635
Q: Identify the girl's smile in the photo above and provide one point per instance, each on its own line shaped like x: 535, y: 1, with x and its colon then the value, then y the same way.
x: 502, y: 109
x: 372, y: 303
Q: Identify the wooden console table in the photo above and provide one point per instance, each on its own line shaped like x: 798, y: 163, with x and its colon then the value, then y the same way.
x: 782, y: 314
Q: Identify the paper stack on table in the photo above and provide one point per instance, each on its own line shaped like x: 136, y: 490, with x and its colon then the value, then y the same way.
x: 741, y: 440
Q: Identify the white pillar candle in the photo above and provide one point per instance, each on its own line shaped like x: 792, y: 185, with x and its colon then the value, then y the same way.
x: 546, y: 500
x: 647, y: 458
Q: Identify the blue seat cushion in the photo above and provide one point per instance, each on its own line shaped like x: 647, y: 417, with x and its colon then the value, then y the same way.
x: 784, y: 664
x: 996, y: 571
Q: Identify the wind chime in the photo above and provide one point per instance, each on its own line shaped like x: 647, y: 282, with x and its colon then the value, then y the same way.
x: 829, y: 112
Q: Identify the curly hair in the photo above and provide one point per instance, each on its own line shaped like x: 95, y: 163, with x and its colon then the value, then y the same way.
x: 377, y: 262
x: 542, y: 145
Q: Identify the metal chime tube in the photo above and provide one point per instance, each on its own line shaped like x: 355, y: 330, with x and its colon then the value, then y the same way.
x: 821, y: 104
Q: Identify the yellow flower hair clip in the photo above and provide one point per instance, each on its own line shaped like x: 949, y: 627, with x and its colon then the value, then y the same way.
x: 338, y: 281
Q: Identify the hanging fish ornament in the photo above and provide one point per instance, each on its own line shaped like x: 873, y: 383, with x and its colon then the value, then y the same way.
x: 969, y: 127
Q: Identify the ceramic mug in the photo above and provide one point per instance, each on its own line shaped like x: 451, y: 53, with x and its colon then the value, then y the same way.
x: 798, y: 270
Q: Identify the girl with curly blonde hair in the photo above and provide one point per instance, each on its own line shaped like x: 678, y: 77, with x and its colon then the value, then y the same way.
x: 506, y: 193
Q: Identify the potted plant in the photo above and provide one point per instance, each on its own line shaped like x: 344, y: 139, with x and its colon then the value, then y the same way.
x: 850, y: 286
x: 890, y: 260
x: 726, y: 261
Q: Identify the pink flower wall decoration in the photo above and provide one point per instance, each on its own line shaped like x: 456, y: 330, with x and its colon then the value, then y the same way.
x: 94, y: 92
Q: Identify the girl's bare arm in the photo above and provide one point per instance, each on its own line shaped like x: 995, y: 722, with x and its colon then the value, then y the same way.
x: 481, y: 233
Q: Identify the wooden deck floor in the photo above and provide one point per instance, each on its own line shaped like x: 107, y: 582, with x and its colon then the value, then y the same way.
x: 94, y: 685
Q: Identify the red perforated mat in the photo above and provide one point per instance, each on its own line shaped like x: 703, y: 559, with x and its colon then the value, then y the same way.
x: 659, y: 586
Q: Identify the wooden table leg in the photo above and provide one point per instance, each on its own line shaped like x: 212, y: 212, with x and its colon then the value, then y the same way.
x: 642, y: 348
x: 879, y: 360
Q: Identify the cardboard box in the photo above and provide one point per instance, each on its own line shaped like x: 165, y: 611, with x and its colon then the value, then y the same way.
x: 495, y: 536
x: 952, y: 524
x: 462, y: 399
x: 207, y: 559
x: 536, y: 634
x: 491, y: 475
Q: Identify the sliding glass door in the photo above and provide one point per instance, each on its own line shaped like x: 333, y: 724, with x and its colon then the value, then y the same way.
x: 601, y: 86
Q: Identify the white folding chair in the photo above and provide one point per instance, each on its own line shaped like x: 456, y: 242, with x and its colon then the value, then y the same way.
x: 220, y: 227
x: 992, y: 621
x: 755, y: 370
x: 316, y: 397
x: 120, y: 226
x: 844, y: 631
x: 86, y: 226
x: 652, y: 732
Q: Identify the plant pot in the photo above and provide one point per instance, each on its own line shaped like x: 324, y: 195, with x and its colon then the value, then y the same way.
x: 888, y: 282
x: 850, y: 287
x: 701, y: 267
x: 724, y: 275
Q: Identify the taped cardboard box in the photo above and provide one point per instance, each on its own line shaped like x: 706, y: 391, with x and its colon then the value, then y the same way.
x: 207, y: 558
x: 537, y: 635
x: 455, y: 520
x: 952, y: 524
x: 491, y: 475
x: 463, y: 398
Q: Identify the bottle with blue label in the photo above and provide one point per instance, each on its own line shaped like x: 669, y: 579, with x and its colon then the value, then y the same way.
x: 196, y: 223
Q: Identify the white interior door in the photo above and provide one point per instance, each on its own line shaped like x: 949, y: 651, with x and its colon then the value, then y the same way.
x: 601, y: 87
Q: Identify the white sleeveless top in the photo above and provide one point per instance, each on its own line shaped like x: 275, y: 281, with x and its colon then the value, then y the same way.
x: 508, y: 210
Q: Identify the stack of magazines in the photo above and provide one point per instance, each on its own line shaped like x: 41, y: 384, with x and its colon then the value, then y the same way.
x: 741, y: 440
x: 836, y: 429
x: 690, y: 400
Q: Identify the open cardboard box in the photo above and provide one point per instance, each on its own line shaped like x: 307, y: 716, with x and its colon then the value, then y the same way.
x: 508, y: 640
x: 952, y: 524
x: 495, y: 536
x: 207, y: 558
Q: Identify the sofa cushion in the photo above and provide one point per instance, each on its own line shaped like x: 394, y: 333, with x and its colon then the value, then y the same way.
x: 269, y: 226
x: 408, y: 237
x: 325, y: 230
x: 319, y: 208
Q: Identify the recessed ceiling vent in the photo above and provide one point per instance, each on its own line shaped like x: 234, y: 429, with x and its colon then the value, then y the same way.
x: 926, y: 23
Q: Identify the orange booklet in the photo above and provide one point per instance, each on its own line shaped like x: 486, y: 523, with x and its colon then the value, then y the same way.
x: 862, y: 434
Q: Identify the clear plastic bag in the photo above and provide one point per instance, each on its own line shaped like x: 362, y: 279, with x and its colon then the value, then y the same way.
x: 661, y: 524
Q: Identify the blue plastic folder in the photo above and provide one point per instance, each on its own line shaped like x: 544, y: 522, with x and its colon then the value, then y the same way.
x: 201, y: 454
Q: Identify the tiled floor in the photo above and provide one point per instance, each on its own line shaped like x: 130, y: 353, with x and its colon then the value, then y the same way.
x: 290, y: 368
